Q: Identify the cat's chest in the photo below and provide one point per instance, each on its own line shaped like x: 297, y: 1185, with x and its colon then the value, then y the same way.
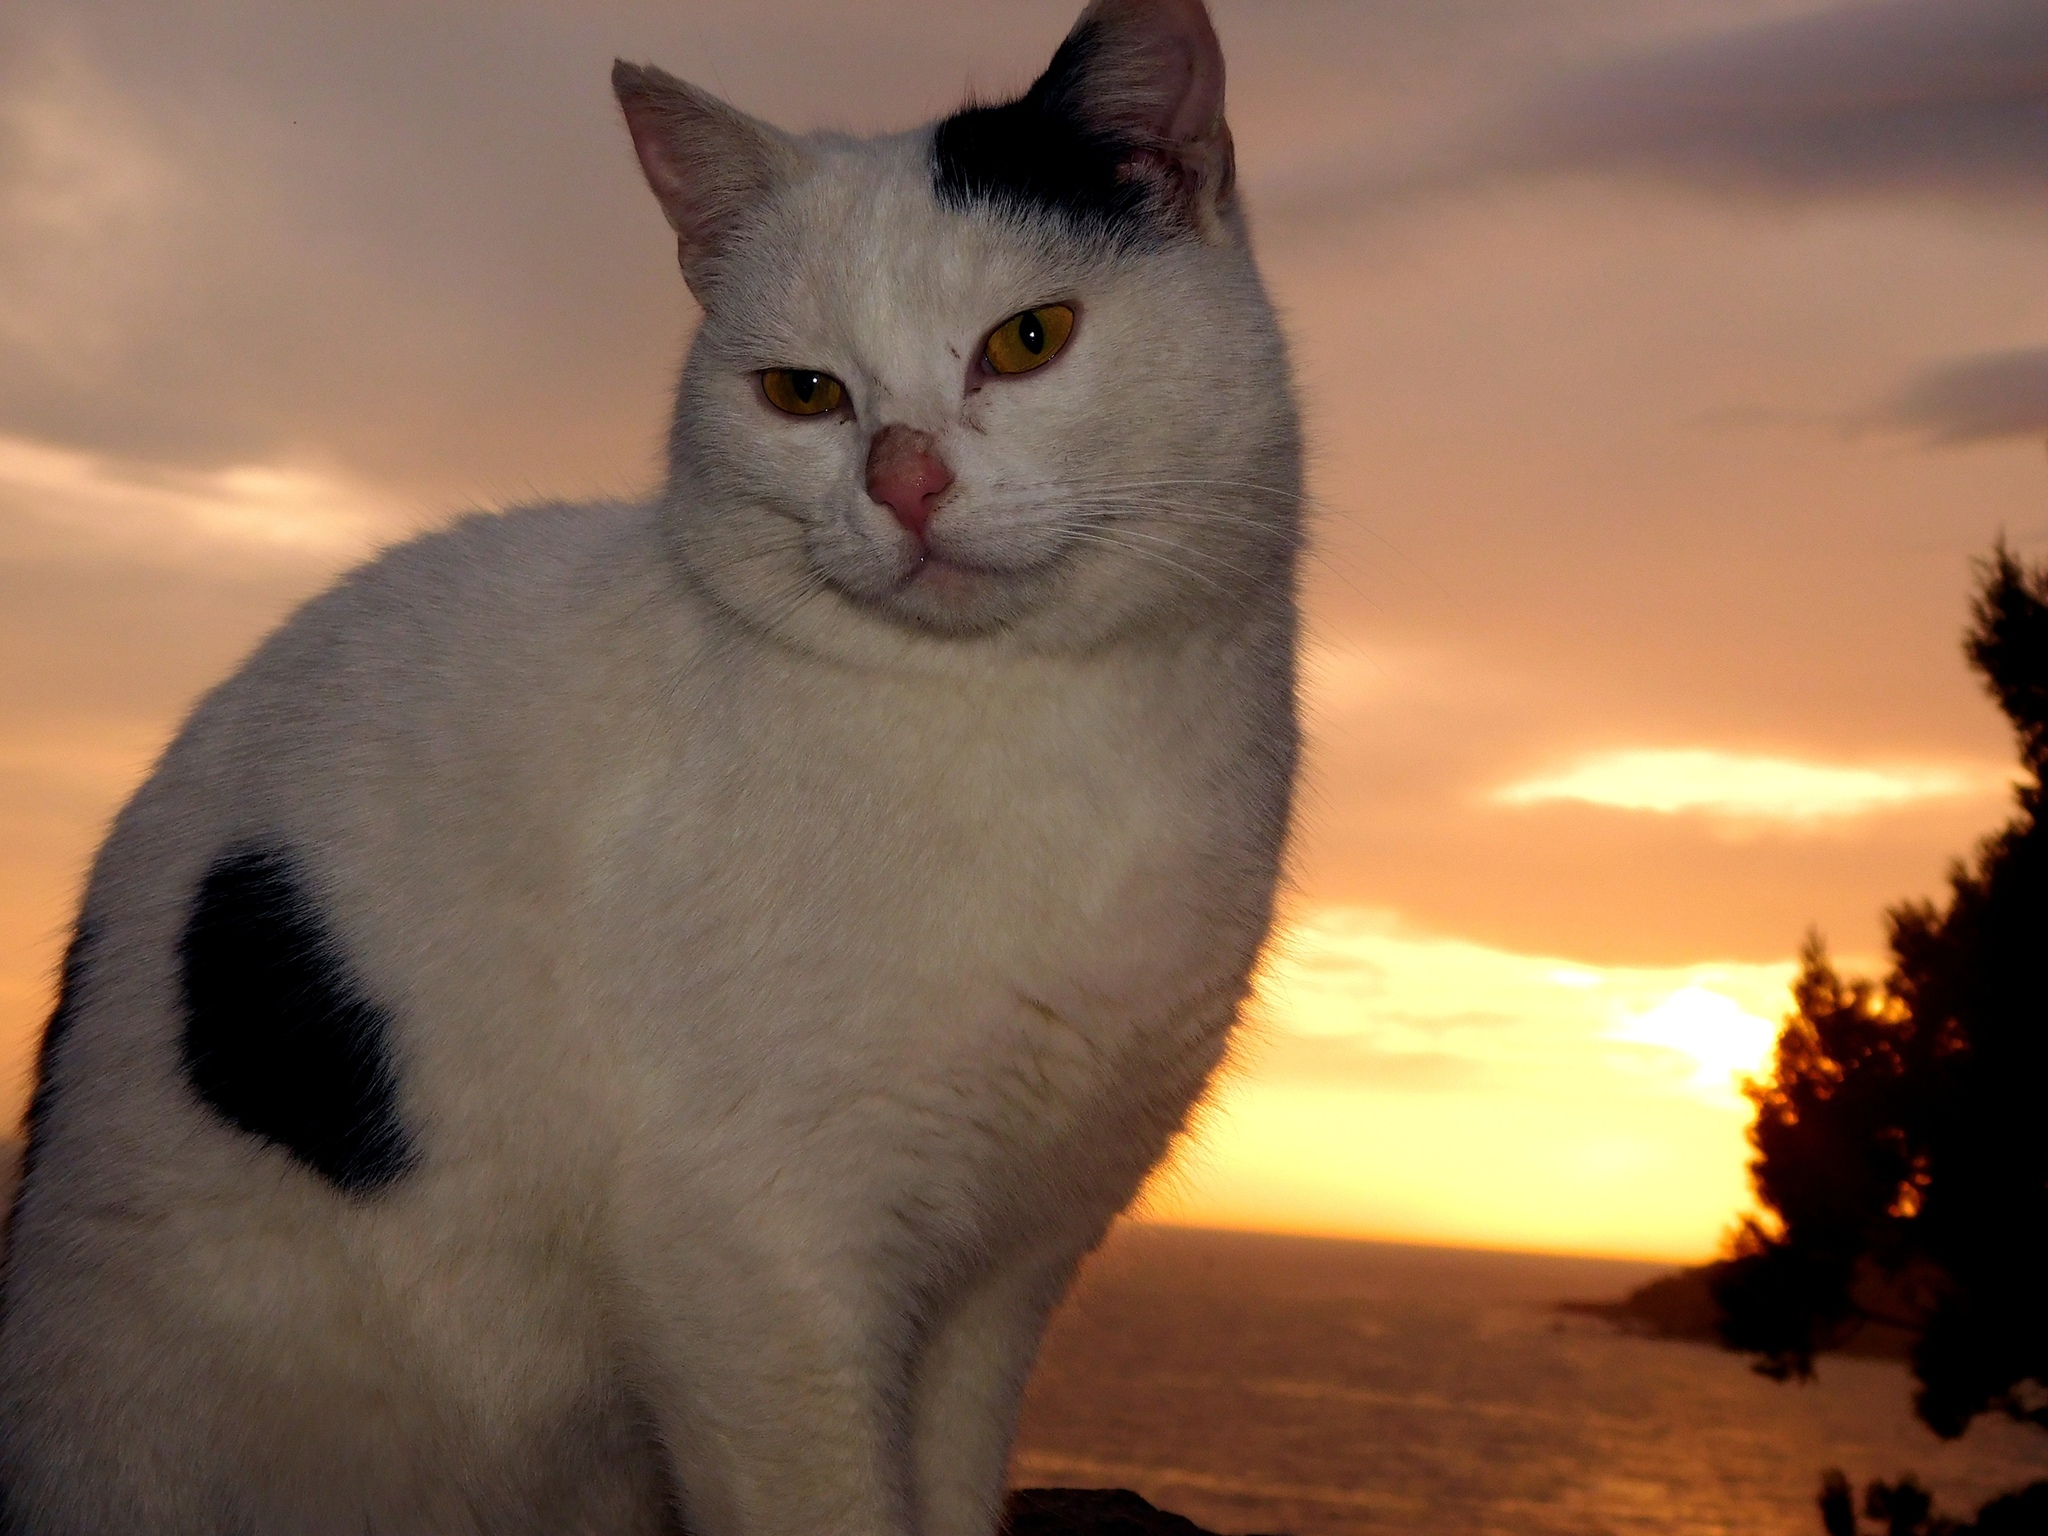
x: 1067, y: 836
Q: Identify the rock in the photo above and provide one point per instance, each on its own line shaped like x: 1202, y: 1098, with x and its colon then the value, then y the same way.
x: 1090, y: 1512
x: 1678, y: 1306
x: 1682, y: 1306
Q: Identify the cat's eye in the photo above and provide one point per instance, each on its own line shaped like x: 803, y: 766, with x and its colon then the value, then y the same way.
x: 1029, y: 340
x: 802, y: 392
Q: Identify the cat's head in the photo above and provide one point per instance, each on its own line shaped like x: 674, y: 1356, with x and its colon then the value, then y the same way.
x: 1010, y: 375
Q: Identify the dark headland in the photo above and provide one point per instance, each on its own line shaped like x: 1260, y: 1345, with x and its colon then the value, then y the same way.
x: 1681, y: 1306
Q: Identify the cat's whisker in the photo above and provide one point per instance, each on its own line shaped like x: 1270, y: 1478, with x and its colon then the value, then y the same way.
x: 1315, y: 505
x: 1123, y: 512
x: 1118, y: 514
x: 812, y: 587
x: 1134, y: 504
x: 1304, y: 499
x: 1080, y: 536
x: 1144, y: 499
x: 1212, y: 481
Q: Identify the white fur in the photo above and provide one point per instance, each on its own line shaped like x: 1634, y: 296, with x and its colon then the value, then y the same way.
x: 797, y: 961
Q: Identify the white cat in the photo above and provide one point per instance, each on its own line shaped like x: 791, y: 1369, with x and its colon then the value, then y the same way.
x: 625, y: 1018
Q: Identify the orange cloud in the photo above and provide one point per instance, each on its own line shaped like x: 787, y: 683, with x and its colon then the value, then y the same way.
x: 1407, y: 1084
x: 1729, y: 784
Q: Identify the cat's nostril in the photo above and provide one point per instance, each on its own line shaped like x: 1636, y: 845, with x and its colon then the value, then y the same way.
x: 906, y: 475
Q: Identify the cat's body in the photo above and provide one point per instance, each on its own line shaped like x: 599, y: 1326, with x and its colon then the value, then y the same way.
x: 731, y: 959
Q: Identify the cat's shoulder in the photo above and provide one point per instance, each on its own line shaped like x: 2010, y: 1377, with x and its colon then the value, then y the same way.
x: 500, y: 610
x: 544, y: 551
x: 491, y: 582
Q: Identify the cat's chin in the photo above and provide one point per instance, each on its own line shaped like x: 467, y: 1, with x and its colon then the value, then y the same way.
x: 959, y: 598
x: 950, y: 596
x: 950, y: 581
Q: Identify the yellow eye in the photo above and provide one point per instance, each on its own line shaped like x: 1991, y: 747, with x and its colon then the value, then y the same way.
x: 1027, y: 341
x: 802, y: 392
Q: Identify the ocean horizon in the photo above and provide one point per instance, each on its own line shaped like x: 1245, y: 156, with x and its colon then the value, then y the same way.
x: 1319, y: 1386
x: 1337, y: 1387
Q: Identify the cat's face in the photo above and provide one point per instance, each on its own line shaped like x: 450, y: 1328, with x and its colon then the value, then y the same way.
x: 983, y: 380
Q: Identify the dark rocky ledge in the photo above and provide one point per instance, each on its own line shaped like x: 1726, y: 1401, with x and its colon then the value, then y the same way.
x: 1676, y: 1306
x: 1682, y: 1306
x: 1091, y: 1512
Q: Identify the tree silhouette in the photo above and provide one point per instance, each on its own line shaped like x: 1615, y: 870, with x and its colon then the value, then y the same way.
x: 1902, y: 1145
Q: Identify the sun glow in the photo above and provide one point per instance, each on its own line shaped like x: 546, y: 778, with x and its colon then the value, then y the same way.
x: 1732, y: 785
x: 1400, y: 1084
x: 1725, y: 1041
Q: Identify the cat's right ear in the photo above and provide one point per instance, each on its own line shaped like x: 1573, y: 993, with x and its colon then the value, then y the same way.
x: 707, y: 162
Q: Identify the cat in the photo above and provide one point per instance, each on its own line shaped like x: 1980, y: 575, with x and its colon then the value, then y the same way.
x: 625, y: 1018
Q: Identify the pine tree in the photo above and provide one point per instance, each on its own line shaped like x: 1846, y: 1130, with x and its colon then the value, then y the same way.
x: 1902, y: 1143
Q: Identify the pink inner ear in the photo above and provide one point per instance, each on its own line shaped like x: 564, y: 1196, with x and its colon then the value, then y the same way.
x: 657, y: 157
x: 705, y: 162
x: 1201, y: 96
x: 1162, y: 58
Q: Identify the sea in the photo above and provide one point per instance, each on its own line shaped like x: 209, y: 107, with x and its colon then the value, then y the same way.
x: 1259, y: 1383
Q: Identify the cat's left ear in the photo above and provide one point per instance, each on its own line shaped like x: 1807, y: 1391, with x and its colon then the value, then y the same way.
x: 708, y: 163
x: 1149, y: 74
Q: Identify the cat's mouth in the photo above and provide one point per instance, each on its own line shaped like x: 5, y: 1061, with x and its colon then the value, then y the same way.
x: 949, y: 576
x: 946, y: 584
x: 941, y: 589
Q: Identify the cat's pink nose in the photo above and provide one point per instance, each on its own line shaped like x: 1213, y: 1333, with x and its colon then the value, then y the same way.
x: 906, y: 475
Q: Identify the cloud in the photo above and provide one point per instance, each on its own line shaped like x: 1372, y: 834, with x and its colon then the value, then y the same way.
x: 409, y: 241
x: 1722, y: 1041
x: 1947, y: 96
x: 1401, y: 1083
x: 1975, y: 399
x: 165, y: 515
x: 1674, y: 782
x: 1285, y: 1056
x: 1357, y: 997
x: 237, y: 235
x: 83, y: 187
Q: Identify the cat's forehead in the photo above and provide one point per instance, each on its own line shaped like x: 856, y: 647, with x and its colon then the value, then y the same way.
x: 862, y: 248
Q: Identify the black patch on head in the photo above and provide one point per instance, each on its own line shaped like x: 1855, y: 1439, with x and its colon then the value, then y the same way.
x: 37, y: 1129
x: 1039, y: 152
x: 279, y: 1039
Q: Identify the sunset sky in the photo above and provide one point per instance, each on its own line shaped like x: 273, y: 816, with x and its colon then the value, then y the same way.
x: 1667, y: 363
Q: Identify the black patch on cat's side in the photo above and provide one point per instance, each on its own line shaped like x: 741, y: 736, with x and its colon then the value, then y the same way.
x: 37, y: 1128
x: 279, y: 1039
x: 1039, y: 153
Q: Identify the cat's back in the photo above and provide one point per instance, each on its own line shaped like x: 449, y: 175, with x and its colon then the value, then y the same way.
x: 434, y: 638
x: 430, y: 684
x: 237, y: 1113
x: 387, y: 788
